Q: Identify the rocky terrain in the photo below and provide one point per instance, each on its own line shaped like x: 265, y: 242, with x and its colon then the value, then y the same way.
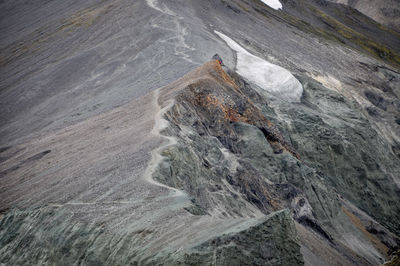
x: 386, y: 12
x: 124, y: 139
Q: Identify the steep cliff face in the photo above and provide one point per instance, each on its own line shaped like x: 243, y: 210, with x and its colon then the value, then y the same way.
x: 128, y: 145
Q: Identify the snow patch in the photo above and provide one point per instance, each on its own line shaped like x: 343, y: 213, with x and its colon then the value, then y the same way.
x: 275, y: 4
x: 272, y: 78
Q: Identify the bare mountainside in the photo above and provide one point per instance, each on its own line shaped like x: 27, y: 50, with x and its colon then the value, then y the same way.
x: 123, y: 142
x: 386, y: 12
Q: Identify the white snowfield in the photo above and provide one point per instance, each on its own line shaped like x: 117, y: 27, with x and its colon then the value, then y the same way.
x: 275, y: 4
x: 272, y: 78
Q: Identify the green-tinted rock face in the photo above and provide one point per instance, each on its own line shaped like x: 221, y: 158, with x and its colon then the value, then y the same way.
x: 334, y: 137
x: 271, y: 239
x: 272, y: 242
x: 321, y: 151
x: 232, y: 162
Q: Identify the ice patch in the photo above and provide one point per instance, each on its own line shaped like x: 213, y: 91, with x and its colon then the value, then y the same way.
x: 272, y: 78
x: 275, y: 4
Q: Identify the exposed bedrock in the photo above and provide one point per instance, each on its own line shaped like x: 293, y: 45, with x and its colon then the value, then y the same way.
x: 273, y: 242
x: 236, y: 151
x: 268, y: 240
x: 242, y: 178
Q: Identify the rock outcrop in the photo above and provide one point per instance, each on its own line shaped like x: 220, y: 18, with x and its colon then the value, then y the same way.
x: 221, y: 127
x: 224, y: 169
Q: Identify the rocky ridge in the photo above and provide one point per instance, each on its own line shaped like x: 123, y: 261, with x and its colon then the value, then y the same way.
x: 220, y: 112
x: 235, y: 164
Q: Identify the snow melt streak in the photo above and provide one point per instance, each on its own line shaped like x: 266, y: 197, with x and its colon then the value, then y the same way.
x: 275, y: 4
x: 272, y: 78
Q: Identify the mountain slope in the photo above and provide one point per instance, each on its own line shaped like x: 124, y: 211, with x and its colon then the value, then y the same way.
x: 121, y: 142
x: 386, y: 12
